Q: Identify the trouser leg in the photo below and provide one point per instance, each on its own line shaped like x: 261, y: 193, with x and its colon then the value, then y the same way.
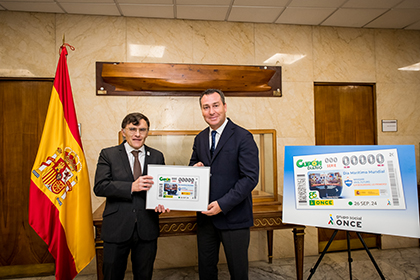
x: 208, y: 250
x: 115, y: 260
x: 143, y: 255
x: 236, y: 244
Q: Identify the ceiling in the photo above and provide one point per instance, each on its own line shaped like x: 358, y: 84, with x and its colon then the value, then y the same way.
x: 395, y: 14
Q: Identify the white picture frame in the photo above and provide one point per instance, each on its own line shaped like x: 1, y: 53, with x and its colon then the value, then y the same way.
x: 178, y: 187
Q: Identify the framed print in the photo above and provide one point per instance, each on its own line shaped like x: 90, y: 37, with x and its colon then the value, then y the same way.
x: 179, y: 187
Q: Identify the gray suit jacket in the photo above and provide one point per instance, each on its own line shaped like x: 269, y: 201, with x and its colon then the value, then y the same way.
x: 123, y: 209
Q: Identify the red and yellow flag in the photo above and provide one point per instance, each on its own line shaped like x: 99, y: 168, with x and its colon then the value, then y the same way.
x: 60, y: 209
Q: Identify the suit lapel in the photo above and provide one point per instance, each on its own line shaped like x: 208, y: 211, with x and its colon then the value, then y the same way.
x: 226, y: 134
x: 124, y: 159
x: 206, y: 142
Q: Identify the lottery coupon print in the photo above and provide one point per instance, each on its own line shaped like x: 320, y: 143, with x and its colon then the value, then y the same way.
x: 179, y: 187
x: 351, y: 180
x: 364, y: 188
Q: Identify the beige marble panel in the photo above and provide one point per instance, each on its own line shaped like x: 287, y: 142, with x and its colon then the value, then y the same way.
x: 291, y: 44
x: 223, y: 43
x: 242, y: 111
x: 101, y: 116
x: 311, y: 241
x: 284, y: 244
x: 167, y: 113
x: 258, y: 248
x: 176, y: 251
x: 399, y: 101
x: 292, y: 114
x: 397, y: 49
x: 343, y: 54
x: 388, y: 138
x: 92, y: 148
x: 391, y: 242
x: 159, y: 40
x: 27, y: 46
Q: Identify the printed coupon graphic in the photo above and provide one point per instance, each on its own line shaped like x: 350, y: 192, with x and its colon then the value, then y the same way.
x: 177, y: 187
x: 352, y: 180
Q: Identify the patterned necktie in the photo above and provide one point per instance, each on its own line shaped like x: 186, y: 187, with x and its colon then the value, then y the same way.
x: 137, y: 166
x: 213, y: 142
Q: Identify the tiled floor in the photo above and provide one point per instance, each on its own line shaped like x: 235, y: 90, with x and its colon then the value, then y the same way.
x: 395, y: 264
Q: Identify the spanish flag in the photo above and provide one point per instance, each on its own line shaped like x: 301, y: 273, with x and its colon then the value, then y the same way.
x: 60, y: 209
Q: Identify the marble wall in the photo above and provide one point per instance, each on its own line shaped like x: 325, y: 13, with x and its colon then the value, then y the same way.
x: 30, y: 48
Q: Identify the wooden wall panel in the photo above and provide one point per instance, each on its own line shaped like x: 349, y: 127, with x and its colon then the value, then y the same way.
x: 24, y: 106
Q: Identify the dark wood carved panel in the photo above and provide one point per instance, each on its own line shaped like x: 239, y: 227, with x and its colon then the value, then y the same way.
x: 178, y: 228
x: 164, y: 79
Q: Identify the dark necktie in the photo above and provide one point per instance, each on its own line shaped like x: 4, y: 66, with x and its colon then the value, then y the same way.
x: 213, y: 142
x: 137, y: 166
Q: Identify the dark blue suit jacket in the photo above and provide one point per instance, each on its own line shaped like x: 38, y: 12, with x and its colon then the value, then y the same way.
x: 123, y: 209
x: 234, y: 172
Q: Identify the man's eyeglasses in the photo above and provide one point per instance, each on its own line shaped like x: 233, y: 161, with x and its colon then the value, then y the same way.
x: 133, y: 130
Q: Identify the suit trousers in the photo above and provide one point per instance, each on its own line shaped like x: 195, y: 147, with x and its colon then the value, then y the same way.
x: 143, y: 254
x: 235, y: 244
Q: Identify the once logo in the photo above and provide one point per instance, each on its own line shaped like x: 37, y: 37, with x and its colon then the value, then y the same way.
x: 319, y: 202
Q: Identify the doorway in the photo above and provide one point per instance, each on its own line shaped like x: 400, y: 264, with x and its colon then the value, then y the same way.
x: 345, y: 115
x: 24, y: 105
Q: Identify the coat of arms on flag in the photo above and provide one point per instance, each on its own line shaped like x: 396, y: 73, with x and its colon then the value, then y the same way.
x: 60, y: 172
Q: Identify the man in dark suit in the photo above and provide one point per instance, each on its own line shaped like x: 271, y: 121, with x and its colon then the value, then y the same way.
x: 127, y: 225
x: 232, y: 155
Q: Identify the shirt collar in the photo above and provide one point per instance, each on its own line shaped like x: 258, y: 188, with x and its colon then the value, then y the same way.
x: 129, y: 149
x: 221, y: 128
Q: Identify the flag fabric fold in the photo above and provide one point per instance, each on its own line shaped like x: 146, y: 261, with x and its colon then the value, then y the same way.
x: 60, y: 209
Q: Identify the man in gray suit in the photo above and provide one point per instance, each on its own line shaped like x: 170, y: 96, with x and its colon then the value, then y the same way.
x: 121, y: 177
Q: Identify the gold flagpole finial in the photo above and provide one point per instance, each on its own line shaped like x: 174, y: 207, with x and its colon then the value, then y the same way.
x: 65, y: 44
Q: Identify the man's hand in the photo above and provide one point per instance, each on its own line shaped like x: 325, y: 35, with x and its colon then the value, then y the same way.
x: 161, y: 209
x: 143, y: 183
x: 212, y: 209
x: 199, y: 164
